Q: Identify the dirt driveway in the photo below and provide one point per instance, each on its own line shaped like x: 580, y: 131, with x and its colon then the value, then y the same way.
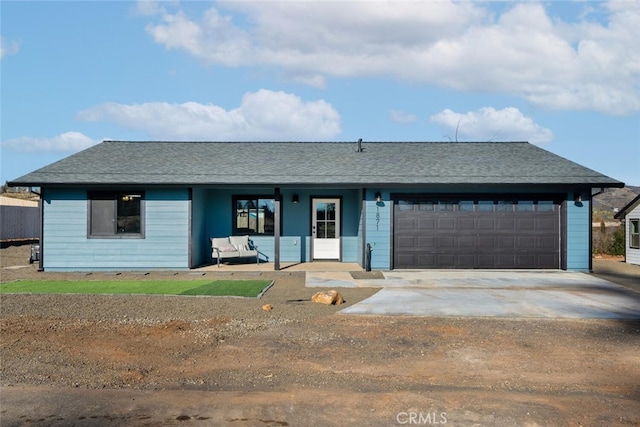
x: 141, y: 360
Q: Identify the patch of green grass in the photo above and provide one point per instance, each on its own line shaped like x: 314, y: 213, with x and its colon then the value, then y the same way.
x: 241, y: 288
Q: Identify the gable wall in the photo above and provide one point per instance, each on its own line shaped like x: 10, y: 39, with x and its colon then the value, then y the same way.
x: 632, y: 256
x: 66, y: 246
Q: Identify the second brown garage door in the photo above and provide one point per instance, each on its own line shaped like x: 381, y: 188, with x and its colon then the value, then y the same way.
x: 490, y: 233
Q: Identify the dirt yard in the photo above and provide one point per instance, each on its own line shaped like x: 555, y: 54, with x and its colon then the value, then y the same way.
x: 154, y: 360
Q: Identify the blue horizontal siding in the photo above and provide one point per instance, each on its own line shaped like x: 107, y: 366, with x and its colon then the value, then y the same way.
x: 350, y: 246
x: 378, y: 226
x: 578, y: 226
x: 66, y: 246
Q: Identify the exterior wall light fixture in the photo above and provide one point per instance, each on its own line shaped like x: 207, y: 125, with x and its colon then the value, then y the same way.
x: 378, y: 197
x: 295, y: 198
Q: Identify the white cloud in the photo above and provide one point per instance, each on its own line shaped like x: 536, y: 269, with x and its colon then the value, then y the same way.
x: 489, y: 124
x: 402, y: 117
x: 66, y: 142
x: 8, y: 47
x: 519, y: 49
x: 262, y: 115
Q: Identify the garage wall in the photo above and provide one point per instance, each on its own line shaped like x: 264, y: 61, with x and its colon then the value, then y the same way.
x: 379, y: 225
x: 578, y: 233
x: 378, y: 229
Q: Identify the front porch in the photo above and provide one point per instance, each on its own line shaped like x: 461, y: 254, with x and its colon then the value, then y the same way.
x: 324, y: 266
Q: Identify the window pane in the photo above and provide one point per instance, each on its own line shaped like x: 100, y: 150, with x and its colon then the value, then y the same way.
x: 242, y: 214
x: 129, y: 213
x: 426, y: 206
x: 525, y: 206
x: 321, y: 231
x: 331, y: 211
x: 254, y: 216
x: 634, y: 234
x: 485, y: 206
x: 465, y: 205
x: 102, y: 216
x: 331, y: 230
x: 405, y: 205
x: 545, y: 206
x: 445, y: 206
x: 266, y: 216
x: 504, y: 206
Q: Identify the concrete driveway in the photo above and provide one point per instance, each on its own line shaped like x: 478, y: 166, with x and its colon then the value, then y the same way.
x: 473, y: 293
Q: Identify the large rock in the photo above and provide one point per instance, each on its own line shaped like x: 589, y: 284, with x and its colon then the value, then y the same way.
x: 328, y: 297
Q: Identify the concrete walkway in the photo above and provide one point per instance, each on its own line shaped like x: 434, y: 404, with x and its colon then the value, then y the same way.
x: 472, y: 293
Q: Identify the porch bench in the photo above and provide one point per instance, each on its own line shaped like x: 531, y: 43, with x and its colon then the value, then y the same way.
x: 233, y: 247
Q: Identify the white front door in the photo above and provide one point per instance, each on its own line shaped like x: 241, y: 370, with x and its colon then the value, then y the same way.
x: 325, y: 228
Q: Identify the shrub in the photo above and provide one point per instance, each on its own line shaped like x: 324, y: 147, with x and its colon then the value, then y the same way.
x: 617, y: 244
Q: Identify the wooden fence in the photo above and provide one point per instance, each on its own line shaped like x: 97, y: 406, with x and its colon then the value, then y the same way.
x: 19, y: 220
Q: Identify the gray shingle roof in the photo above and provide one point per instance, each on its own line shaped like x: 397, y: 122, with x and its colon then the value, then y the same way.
x: 330, y: 163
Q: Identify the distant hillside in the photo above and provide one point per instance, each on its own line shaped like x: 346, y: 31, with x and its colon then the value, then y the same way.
x: 615, y: 198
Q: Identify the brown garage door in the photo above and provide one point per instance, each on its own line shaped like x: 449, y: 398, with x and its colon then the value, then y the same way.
x: 489, y: 233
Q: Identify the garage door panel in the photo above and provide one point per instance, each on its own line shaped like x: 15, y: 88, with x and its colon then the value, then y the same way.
x: 426, y: 223
x: 547, y: 242
x: 485, y: 223
x: 486, y: 261
x: 506, y: 242
x: 486, y: 243
x: 524, y: 261
x: 446, y: 242
x: 525, y: 224
x: 405, y: 260
x: 406, y: 242
x: 547, y: 261
x: 426, y: 261
x: 446, y: 261
x: 466, y: 224
x: 466, y: 261
x: 504, y: 260
x: 467, y: 241
x: 426, y: 242
x: 446, y: 223
x: 526, y: 242
x: 545, y: 225
x: 487, y: 235
x: 405, y: 224
x: 505, y: 223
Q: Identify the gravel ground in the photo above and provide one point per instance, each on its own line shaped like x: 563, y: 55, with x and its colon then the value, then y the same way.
x: 225, y: 361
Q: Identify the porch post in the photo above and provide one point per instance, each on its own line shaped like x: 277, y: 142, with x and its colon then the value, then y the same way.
x: 276, y: 229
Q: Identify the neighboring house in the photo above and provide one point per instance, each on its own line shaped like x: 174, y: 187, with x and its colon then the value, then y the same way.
x: 419, y: 205
x: 630, y: 214
x: 20, y: 220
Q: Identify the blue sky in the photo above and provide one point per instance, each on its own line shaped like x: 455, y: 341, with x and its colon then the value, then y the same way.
x: 563, y: 75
